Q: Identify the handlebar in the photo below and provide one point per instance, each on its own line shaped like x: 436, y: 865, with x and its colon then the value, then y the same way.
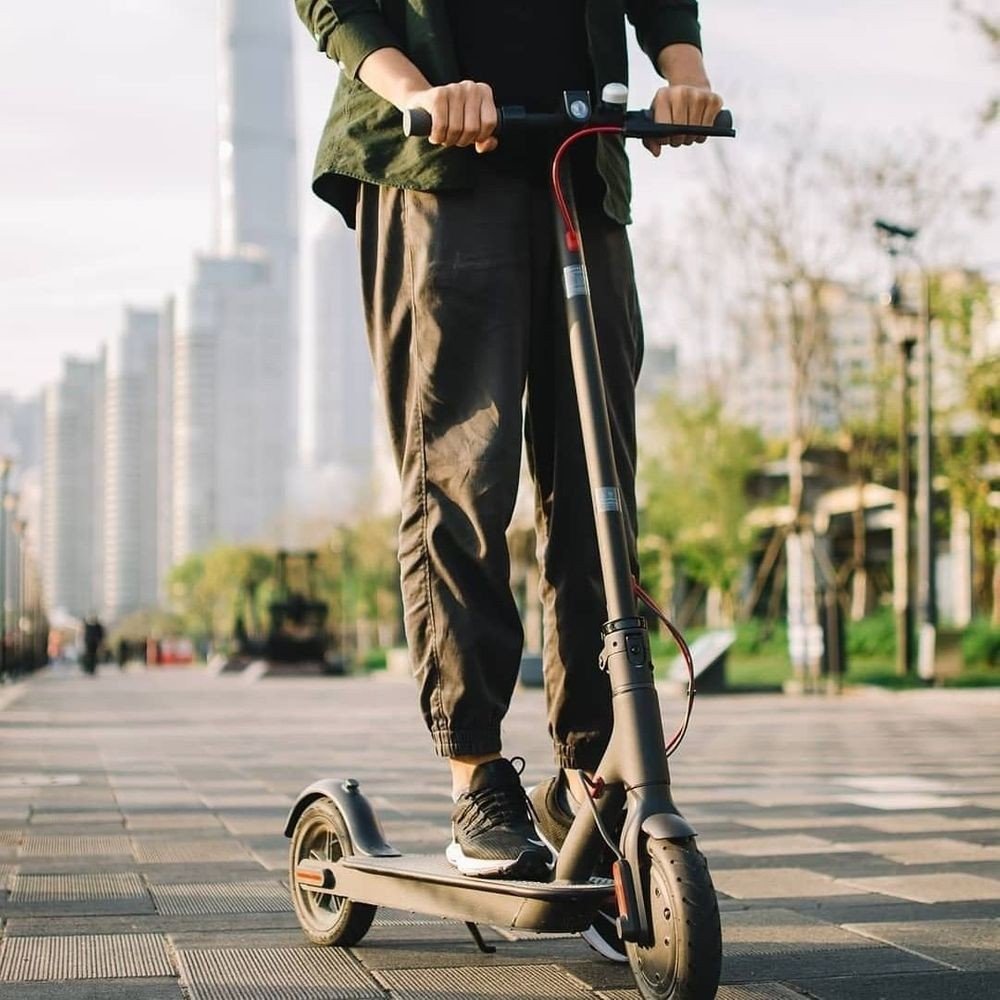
x: 634, y: 124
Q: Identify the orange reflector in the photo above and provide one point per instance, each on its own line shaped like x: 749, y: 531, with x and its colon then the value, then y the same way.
x: 310, y: 877
x: 620, y: 897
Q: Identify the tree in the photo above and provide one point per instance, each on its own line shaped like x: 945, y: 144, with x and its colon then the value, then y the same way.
x: 694, y: 468
x: 209, y: 590
x: 987, y: 24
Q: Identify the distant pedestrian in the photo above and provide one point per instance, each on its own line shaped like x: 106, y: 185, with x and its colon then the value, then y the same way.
x: 93, y: 639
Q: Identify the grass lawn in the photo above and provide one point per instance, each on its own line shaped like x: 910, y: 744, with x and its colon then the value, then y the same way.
x: 767, y: 671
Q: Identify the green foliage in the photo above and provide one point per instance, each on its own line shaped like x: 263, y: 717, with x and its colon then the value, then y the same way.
x: 695, y: 466
x: 148, y: 623
x: 357, y: 574
x: 874, y: 636
x: 208, y: 590
x: 981, y: 644
x: 757, y: 637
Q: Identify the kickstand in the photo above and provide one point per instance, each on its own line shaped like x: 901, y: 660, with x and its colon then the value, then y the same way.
x: 486, y: 949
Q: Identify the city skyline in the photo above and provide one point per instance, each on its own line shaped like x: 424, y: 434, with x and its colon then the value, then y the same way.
x: 119, y: 226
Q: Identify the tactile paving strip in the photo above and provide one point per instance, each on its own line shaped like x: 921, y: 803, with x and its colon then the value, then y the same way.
x: 103, y: 956
x: 172, y: 821
x: 6, y: 874
x: 74, y: 847
x: 153, y: 852
x: 275, y: 974
x: 514, y: 982
x: 77, y: 888
x: 10, y: 838
x: 220, y: 897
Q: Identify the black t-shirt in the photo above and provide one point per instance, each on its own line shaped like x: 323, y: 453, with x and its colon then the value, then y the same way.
x: 529, y: 52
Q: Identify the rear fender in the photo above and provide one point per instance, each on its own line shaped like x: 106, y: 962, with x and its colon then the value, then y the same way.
x: 359, y: 817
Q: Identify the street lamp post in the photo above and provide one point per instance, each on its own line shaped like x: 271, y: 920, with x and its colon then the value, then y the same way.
x: 903, y: 562
x: 897, y: 239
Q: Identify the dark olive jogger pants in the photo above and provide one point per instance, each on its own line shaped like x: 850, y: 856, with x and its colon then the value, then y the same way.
x: 465, y: 313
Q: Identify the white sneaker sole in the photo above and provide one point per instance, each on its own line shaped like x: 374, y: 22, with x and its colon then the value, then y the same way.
x: 482, y: 868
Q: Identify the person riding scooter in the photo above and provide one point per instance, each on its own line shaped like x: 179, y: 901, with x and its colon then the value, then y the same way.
x: 466, y: 321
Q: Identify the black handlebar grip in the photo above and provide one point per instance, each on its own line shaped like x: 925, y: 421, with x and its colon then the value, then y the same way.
x: 724, y: 119
x: 416, y: 121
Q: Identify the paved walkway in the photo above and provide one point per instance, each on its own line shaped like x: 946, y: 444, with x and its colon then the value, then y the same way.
x: 855, y: 844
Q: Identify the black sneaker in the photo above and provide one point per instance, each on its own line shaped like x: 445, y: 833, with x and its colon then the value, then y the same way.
x: 553, y: 818
x: 493, y: 836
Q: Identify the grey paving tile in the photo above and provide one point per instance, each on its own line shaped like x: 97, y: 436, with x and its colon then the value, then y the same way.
x: 86, y: 956
x: 941, y: 888
x: 929, y: 986
x: 778, y: 883
x: 275, y: 974
x: 514, y: 982
x: 152, y: 923
x: 170, y: 851
x: 101, y: 989
x: 221, y: 897
x: 970, y: 945
x: 77, y: 888
x: 110, y: 845
x: 934, y: 850
x: 759, y: 991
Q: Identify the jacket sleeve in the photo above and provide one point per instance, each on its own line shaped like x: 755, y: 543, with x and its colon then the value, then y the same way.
x: 347, y: 30
x: 659, y: 23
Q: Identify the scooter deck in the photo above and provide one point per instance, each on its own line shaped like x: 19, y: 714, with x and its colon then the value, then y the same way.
x: 429, y: 884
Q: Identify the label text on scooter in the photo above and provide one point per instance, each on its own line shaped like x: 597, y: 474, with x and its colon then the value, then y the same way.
x: 576, y: 281
x: 607, y: 498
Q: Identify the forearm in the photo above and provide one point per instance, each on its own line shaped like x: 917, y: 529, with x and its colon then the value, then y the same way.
x: 682, y: 64
x: 392, y: 76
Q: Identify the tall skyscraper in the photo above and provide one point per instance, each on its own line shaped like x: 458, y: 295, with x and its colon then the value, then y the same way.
x: 235, y: 342
x: 130, y: 466
x: 230, y: 447
x: 72, y: 489
x: 343, y: 381
x: 258, y: 203
x: 165, y: 448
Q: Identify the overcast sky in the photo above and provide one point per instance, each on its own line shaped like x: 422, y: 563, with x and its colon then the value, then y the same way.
x: 107, y: 130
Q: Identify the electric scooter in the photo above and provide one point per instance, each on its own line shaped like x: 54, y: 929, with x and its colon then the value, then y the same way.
x: 341, y: 865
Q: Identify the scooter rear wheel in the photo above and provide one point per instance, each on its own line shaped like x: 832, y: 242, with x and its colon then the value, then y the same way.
x: 321, y: 835
x: 685, y: 958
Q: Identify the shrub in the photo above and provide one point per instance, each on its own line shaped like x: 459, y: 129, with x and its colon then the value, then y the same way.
x: 981, y: 644
x: 872, y: 636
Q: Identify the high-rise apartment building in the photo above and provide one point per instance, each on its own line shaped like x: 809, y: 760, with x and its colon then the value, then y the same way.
x: 71, y: 518
x: 231, y: 446
x: 129, y: 537
x: 235, y: 339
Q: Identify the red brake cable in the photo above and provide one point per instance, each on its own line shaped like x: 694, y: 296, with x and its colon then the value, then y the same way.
x: 572, y: 236
x: 675, y: 741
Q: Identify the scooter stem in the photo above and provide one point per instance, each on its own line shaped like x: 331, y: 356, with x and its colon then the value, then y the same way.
x: 605, y: 491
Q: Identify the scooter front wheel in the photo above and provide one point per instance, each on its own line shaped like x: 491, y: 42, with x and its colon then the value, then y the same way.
x: 684, y: 960
x: 321, y: 835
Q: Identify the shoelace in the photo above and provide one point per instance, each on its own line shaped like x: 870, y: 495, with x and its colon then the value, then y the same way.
x: 500, y: 805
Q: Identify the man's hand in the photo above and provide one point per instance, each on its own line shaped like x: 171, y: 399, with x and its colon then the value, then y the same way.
x: 689, y: 100
x: 463, y: 114
x: 683, y: 106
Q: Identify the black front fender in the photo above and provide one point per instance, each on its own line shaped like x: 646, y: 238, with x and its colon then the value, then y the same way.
x: 362, y: 824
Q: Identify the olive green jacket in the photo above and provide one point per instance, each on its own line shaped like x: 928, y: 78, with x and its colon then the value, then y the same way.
x: 363, y: 139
